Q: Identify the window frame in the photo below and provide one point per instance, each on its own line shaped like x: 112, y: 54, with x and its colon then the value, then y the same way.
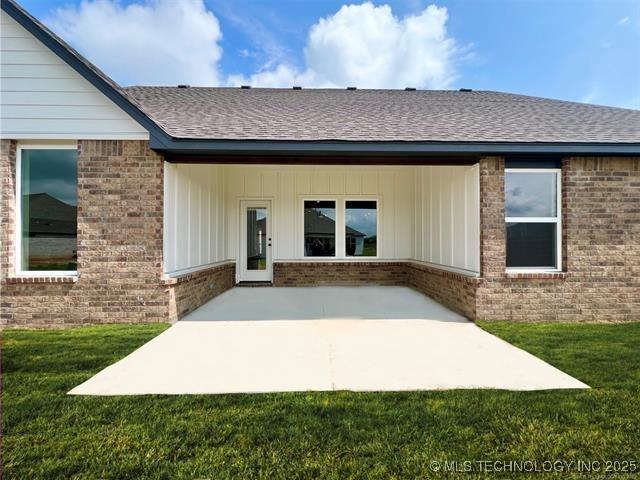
x: 18, y: 211
x: 321, y: 198
x: 557, y: 220
x: 344, y: 228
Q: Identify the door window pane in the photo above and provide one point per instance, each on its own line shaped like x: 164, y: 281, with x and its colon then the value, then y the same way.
x: 256, y: 238
x: 531, y: 245
x: 319, y: 228
x: 530, y: 194
x: 361, y: 234
x: 49, y: 191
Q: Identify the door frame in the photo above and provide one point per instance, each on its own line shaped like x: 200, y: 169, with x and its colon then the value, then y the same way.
x: 242, y: 274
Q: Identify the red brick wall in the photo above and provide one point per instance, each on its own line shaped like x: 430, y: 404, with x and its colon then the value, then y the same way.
x: 454, y: 290
x: 293, y: 274
x: 120, y: 204
x: 188, y: 292
x: 601, y: 243
x: 120, y: 188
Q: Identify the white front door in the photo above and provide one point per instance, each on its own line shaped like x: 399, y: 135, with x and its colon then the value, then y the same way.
x: 255, y: 241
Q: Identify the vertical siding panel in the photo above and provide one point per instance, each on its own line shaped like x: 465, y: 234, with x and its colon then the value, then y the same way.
x: 436, y: 223
x: 169, y: 229
x: 303, y: 182
x: 353, y: 183
x: 320, y: 182
x: 287, y: 214
x: 388, y: 240
x: 370, y: 183
x: 418, y: 213
x: 270, y: 182
x: 428, y: 227
x: 473, y: 224
x: 445, y: 216
x: 459, y: 220
x: 336, y: 183
x: 182, y: 212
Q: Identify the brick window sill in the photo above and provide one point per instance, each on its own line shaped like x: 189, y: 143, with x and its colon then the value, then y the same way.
x: 42, y: 279
x: 537, y: 275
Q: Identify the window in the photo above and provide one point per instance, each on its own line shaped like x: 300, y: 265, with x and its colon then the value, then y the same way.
x: 319, y: 228
x: 533, y: 228
x: 361, y: 228
x: 47, y: 210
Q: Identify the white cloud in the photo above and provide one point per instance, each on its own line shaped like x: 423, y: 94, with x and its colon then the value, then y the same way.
x: 367, y: 46
x: 623, y: 21
x: 157, y: 42
x: 168, y: 42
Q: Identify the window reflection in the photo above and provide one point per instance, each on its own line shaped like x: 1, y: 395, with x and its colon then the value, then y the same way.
x: 361, y: 231
x: 256, y: 239
x: 530, y: 194
x: 49, y: 191
x: 319, y: 228
x: 531, y: 245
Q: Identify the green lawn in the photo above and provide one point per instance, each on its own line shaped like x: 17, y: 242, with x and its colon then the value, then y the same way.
x: 50, y: 435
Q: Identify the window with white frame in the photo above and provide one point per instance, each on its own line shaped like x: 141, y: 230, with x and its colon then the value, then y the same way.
x: 533, y: 219
x: 344, y: 228
x: 361, y: 228
x: 319, y: 228
x: 47, y: 199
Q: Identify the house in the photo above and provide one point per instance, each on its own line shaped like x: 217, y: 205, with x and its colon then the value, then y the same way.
x: 499, y: 206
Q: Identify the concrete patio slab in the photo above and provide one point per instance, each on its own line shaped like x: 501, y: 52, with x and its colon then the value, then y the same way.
x: 251, y: 340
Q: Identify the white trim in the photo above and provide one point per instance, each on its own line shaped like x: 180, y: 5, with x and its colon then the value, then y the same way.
x: 447, y: 268
x: 557, y: 220
x: 242, y: 274
x: 186, y: 271
x: 340, y: 231
x: 337, y: 231
x: 341, y: 260
x: 52, y: 136
x: 19, y: 272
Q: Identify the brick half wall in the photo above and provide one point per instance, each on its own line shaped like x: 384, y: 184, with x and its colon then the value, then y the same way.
x: 454, y: 290
x: 188, y: 292
x: 306, y: 274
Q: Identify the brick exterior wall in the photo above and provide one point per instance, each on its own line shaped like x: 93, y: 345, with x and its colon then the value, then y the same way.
x: 304, y: 274
x: 120, y: 210
x: 188, y: 292
x: 601, y: 247
x: 454, y: 290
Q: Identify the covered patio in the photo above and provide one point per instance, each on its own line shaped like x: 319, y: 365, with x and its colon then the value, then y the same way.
x: 367, y: 338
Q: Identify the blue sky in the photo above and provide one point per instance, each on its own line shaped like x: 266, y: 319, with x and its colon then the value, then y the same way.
x: 574, y: 50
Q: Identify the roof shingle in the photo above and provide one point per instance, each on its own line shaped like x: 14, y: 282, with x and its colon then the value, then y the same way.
x: 380, y: 115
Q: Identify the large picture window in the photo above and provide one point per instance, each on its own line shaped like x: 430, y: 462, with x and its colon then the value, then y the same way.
x: 319, y: 228
x: 361, y: 228
x: 47, y: 210
x: 533, y: 227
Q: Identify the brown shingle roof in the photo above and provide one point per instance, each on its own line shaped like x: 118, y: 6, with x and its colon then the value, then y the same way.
x: 380, y: 115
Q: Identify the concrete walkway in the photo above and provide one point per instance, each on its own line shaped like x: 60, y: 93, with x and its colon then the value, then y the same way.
x: 323, y: 338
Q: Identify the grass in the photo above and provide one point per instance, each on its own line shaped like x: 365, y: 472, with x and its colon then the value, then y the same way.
x: 337, y: 435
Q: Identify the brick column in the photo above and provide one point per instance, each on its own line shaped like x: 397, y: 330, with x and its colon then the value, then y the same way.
x: 7, y: 208
x: 492, y: 226
x: 120, y: 212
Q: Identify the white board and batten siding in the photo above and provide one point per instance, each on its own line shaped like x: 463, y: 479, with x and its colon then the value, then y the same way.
x: 289, y: 186
x: 447, y: 217
x: 41, y: 97
x: 194, y: 217
x: 426, y: 214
